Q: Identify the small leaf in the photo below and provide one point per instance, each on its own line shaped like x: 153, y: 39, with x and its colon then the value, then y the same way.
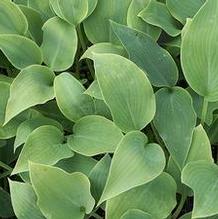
x: 24, y: 201
x: 70, y: 98
x: 32, y: 86
x: 13, y: 21
x: 20, y: 51
x: 59, y: 44
x: 135, y: 162
x: 136, y: 214
x: 61, y: 195
x: 126, y: 91
x: 94, y: 135
x: 44, y: 145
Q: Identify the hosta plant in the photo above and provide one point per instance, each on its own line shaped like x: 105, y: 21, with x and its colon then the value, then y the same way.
x: 109, y: 109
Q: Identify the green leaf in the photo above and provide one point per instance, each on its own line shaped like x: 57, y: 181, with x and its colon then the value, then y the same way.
x: 61, y: 195
x: 94, y: 90
x: 137, y: 23
x: 98, y: 21
x: 70, y: 98
x: 136, y: 214
x: 44, y: 145
x: 159, y: 192
x: 32, y: 86
x: 20, y: 51
x: 126, y: 91
x: 201, y: 70
x: 182, y: 10
x: 59, y: 44
x: 201, y: 176
x: 6, y: 210
x: 24, y: 201
x: 157, y: 14
x: 155, y: 61
x: 94, y: 135
x: 135, y: 162
x: 13, y: 21
x: 176, y: 132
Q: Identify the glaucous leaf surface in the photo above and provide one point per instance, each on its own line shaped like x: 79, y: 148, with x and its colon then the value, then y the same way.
x: 32, y: 86
x: 135, y: 162
x: 94, y: 90
x: 136, y: 214
x: 20, y: 51
x: 6, y: 210
x: 10, y: 25
x: 59, y: 44
x: 157, y: 14
x: 24, y: 201
x: 159, y: 192
x: 155, y: 61
x: 176, y: 104
x: 44, y: 145
x: 94, y: 135
x: 61, y: 195
x: 126, y: 90
x: 71, y: 100
x: 201, y: 176
x: 198, y: 56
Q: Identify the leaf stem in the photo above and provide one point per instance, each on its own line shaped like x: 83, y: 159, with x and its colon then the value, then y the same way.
x: 181, y: 204
x: 5, y: 166
x: 204, y: 111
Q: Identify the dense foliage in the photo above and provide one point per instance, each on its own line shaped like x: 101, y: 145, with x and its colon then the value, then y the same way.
x: 108, y: 109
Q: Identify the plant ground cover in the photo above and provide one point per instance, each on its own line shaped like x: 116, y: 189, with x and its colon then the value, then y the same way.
x: 109, y: 109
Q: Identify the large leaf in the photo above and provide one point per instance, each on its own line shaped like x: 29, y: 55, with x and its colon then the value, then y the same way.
x: 126, y: 90
x: 72, y: 101
x: 59, y: 44
x: 156, y: 62
x: 13, y: 21
x: 201, y: 176
x: 6, y: 210
x: 44, y: 145
x: 24, y: 201
x: 94, y: 135
x: 136, y: 214
x: 135, y: 162
x: 20, y: 51
x: 175, y: 120
x: 61, y: 195
x: 159, y: 192
x: 32, y: 86
x: 198, y: 54
x: 157, y: 14
x: 98, y: 21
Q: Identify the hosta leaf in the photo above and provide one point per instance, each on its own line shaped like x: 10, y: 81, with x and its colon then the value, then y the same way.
x: 102, y: 109
x: 156, y: 62
x: 20, y: 51
x: 94, y: 135
x: 8, y: 24
x: 6, y: 210
x: 98, y: 21
x: 136, y: 214
x: 98, y: 176
x: 94, y: 90
x: 72, y: 101
x: 132, y: 165
x: 21, y: 2
x: 201, y: 71
x: 126, y: 91
x: 176, y: 132
x: 184, y: 9
x: 189, y: 216
x: 91, y: 6
x: 54, y: 4
x: 32, y: 86
x: 24, y: 201
x: 159, y: 192
x: 44, y: 145
x: 59, y: 44
x: 201, y: 176
x: 157, y: 14
x: 137, y: 23
x: 61, y: 195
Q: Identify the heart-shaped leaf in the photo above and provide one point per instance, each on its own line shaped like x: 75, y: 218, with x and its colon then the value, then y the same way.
x: 135, y: 162
x: 44, y: 145
x: 126, y: 91
x: 136, y: 214
x: 61, y: 195
x: 59, y: 44
x: 94, y: 135
x: 34, y: 81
